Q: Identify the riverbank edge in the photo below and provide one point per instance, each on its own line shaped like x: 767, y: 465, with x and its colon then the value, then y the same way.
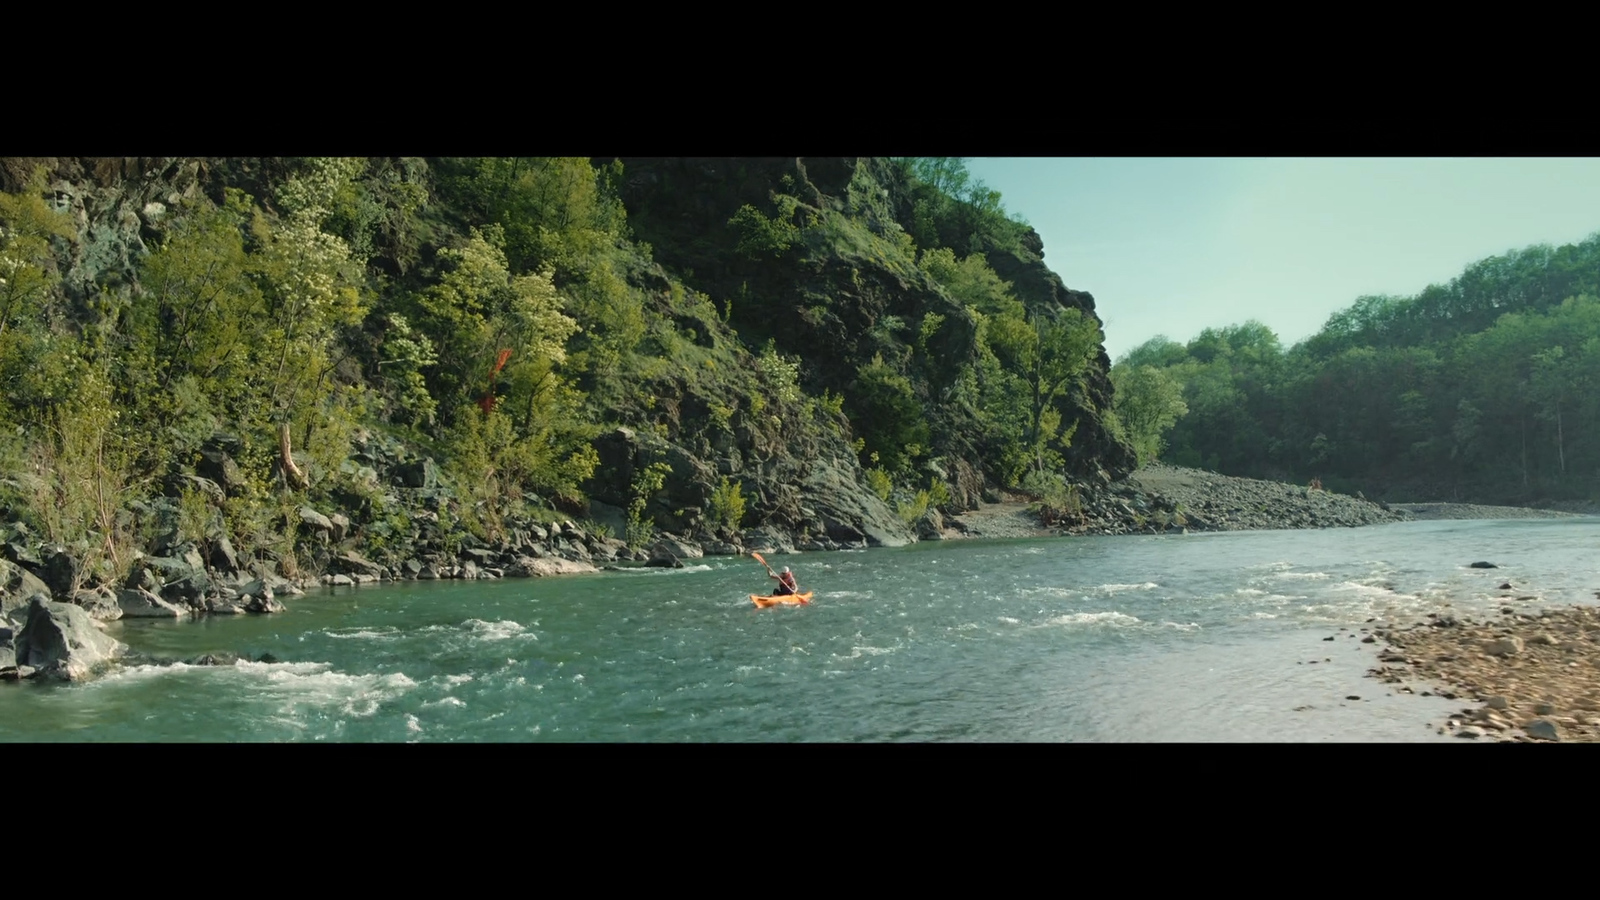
x: 191, y: 580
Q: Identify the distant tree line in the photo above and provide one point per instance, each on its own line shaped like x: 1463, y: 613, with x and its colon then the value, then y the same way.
x: 1485, y: 388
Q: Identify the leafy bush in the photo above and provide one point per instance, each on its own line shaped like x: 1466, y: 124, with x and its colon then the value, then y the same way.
x: 1058, y: 498
x: 646, y: 482
x: 760, y: 236
x: 880, y: 482
x: 727, y: 505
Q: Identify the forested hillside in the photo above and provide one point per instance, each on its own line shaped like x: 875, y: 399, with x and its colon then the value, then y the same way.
x: 1485, y: 389
x: 402, y: 362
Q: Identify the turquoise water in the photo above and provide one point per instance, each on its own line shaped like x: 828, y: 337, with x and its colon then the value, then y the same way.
x: 1207, y: 637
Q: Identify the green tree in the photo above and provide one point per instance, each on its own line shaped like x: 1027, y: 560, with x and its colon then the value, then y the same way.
x: 892, y: 423
x: 1148, y: 402
x: 1049, y: 356
x: 192, y: 332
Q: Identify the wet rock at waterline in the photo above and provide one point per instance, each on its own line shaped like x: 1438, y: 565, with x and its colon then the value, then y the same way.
x: 61, y: 641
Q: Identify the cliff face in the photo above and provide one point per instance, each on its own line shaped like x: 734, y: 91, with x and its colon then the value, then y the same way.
x: 836, y: 301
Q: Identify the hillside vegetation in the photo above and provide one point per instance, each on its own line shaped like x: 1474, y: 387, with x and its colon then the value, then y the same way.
x: 404, y: 360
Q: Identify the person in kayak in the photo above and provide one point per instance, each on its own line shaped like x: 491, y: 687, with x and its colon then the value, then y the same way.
x: 786, y: 583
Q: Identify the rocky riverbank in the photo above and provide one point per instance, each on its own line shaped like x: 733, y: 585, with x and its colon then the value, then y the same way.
x: 1161, y: 499
x: 176, y: 577
x: 1168, y: 499
x: 1422, y: 511
x: 1531, y: 677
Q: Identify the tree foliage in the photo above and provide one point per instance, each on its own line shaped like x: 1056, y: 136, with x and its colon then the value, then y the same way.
x: 1482, y: 387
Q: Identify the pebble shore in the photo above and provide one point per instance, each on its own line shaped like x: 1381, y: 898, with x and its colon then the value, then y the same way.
x: 1530, y: 677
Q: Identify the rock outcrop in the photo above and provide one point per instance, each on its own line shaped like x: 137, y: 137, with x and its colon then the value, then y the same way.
x: 831, y: 305
x: 60, y: 641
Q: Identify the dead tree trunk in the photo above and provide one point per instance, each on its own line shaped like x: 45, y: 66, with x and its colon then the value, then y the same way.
x: 297, y: 479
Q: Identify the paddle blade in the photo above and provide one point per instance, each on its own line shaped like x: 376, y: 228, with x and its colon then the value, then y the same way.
x: 758, y: 557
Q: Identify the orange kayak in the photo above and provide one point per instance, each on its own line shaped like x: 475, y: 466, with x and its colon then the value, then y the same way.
x: 792, y: 599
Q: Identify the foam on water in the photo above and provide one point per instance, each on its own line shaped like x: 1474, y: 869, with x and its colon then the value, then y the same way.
x: 379, y: 634
x: 497, y: 631
x: 1095, y: 618
x: 858, y: 652
x: 292, y: 686
x: 134, y: 674
x: 1050, y: 591
x: 1116, y: 588
x: 1371, y: 590
x: 663, y: 570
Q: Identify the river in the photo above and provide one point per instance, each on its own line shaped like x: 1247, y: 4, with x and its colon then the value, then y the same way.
x: 1199, y: 637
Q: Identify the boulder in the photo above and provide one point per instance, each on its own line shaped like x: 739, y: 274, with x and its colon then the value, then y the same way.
x: 100, y: 604
x: 62, y: 571
x: 141, y: 604
x: 265, y: 586
x: 61, y: 641
x: 551, y: 566
x: 183, y: 577
x: 142, y: 577
x: 222, y: 557
x: 220, y: 468
x: 264, y: 605
x: 315, y: 521
x: 18, y: 586
x: 353, y: 563
x: 421, y: 474
x: 679, y: 548
x: 575, y: 551
x: 223, y: 606
x: 176, y: 486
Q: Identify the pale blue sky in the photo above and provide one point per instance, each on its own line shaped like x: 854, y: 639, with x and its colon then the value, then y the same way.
x: 1173, y: 246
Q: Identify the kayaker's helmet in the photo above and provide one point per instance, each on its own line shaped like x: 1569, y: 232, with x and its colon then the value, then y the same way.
x: 785, y: 570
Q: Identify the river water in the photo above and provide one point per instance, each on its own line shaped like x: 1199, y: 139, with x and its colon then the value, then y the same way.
x: 1200, y: 637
